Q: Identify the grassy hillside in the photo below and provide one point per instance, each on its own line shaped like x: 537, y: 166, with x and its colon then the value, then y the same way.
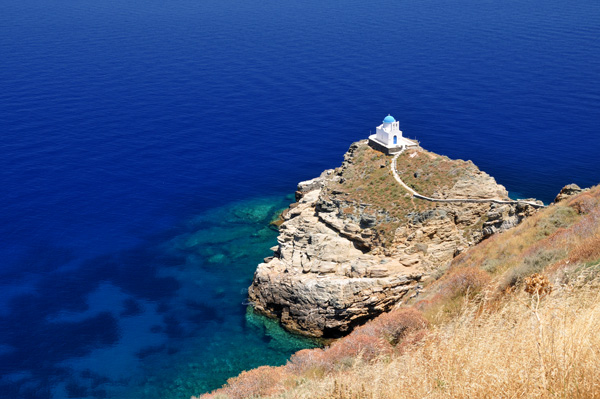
x: 517, y: 315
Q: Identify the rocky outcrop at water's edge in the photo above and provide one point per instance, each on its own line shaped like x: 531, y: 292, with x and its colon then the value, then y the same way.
x: 356, y: 244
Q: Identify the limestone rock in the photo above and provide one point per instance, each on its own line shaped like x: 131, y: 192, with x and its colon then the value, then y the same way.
x: 568, y: 191
x: 342, y: 260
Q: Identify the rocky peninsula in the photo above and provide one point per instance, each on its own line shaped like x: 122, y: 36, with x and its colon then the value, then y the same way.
x: 356, y: 243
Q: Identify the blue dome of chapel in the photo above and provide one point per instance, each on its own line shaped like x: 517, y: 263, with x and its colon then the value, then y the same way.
x: 389, y: 119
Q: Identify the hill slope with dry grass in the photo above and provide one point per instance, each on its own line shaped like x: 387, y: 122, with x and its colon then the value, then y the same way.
x: 515, y: 316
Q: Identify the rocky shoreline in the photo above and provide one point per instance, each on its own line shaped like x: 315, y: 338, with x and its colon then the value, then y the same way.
x: 355, y: 245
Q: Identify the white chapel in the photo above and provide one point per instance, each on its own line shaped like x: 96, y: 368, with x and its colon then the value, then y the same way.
x: 388, y: 137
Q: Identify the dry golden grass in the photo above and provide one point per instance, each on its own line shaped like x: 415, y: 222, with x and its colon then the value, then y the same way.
x: 569, y: 230
x: 540, y: 342
x: 546, y: 347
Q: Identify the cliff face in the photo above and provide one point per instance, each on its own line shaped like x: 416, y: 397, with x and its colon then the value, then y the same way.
x: 355, y: 244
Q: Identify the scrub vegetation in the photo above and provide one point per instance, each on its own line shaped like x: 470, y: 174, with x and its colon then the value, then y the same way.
x: 368, y: 180
x: 428, y: 173
x: 367, y: 185
x: 515, y: 316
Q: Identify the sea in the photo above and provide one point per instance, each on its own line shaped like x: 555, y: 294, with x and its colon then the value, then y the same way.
x: 147, y: 145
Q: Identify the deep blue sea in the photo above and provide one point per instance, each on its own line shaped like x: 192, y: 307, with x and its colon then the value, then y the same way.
x: 146, y: 145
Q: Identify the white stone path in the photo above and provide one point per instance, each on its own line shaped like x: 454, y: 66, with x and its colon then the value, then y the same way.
x: 460, y: 200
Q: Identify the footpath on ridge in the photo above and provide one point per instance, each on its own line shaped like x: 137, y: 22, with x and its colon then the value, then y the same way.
x: 459, y: 200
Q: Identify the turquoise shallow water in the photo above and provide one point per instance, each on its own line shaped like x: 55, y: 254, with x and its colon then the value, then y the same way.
x: 167, y: 319
x: 220, y: 336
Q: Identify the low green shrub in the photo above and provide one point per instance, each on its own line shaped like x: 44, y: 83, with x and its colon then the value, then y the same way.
x: 562, y: 217
x: 534, y: 263
x: 491, y: 265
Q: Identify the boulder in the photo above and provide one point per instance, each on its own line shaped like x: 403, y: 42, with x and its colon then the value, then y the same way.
x: 568, y: 191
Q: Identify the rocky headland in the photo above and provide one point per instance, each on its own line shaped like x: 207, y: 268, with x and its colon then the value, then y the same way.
x: 356, y: 243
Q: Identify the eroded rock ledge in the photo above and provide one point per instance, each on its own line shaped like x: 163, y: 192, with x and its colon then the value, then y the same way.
x: 355, y: 244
